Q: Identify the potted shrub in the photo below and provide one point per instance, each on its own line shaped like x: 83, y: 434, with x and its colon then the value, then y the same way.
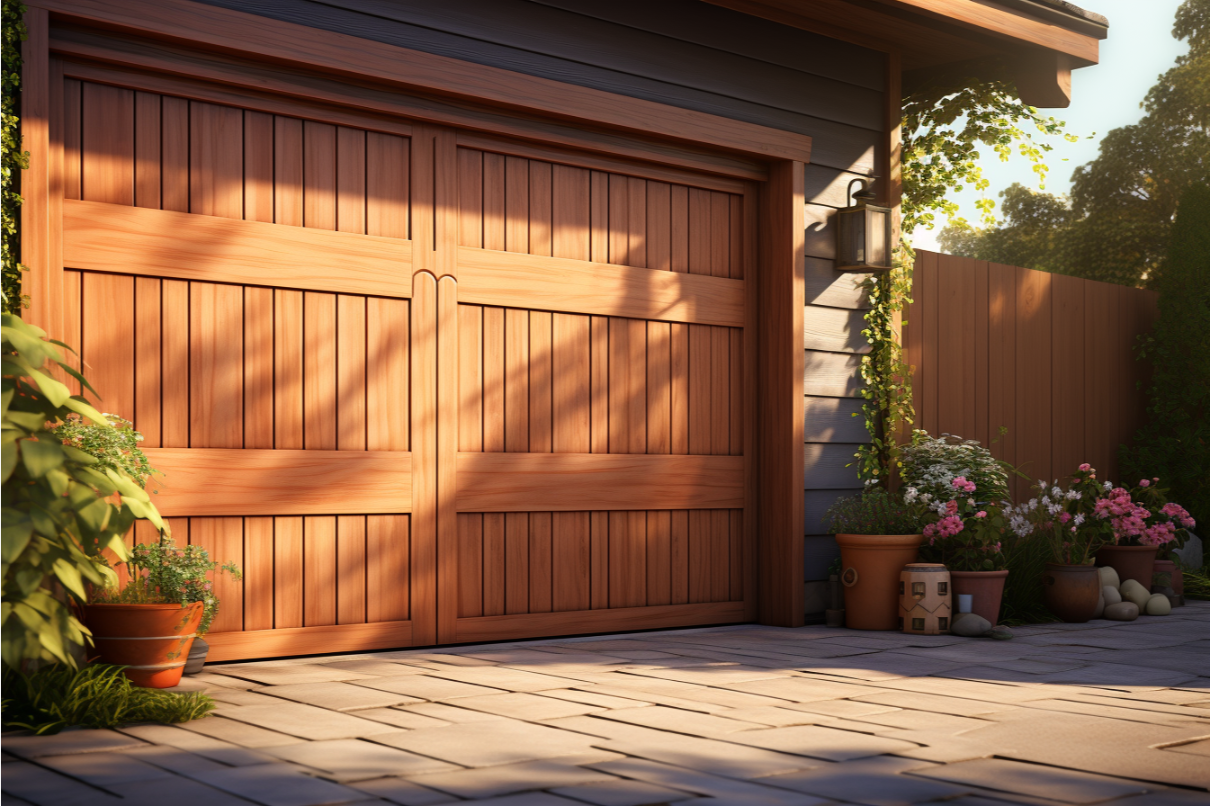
x: 966, y: 536
x: 1142, y: 521
x: 878, y: 534
x: 1071, y: 584
x: 149, y: 624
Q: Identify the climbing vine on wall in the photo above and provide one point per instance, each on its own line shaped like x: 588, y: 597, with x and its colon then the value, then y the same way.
x: 14, y: 158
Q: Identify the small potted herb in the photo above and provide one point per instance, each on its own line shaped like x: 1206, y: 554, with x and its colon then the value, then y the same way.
x: 878, y: 533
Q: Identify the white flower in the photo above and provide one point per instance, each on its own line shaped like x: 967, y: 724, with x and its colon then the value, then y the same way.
x: 1073, y: 495
x: 1079, y: 519
x: 910, y: 494
x: 1056, y: 491
x: 1054, y: 509
x: 970, y: 502
x: 1107, y: 486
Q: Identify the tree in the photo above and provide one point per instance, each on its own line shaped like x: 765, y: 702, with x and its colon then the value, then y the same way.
x: 1174, y: 442
x: 1117, y: 224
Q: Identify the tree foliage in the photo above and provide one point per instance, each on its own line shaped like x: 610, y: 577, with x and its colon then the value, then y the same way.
x: 1117, y: 223
x: 12, y: 158
x: 1174, y: 442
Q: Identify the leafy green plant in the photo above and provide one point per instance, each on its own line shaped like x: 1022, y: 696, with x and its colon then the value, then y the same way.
x: 1067, y: 519
x: 930, y: 464
x: 873, y: 511
x: 13, y: 159
x: 97, y: 696
x: 58, y: 511
x: 163, y: 572
x: 965, y: 533
x: 115, y: 447
x: 1025, y: 557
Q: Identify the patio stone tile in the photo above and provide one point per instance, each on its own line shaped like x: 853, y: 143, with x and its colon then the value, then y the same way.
x: 840, y: 708
x: 712, y: 756
x: 401, y: 719
x: 1068, y: 786
x: 723, y: 790
x: 69, y: 741
x: 1191, y: 663
x: 641, y: 654
x: 529, y: 707
x: 608, y: 729
x: 528, y: 799
x: 279, y: 785
x: 355, y: 760
x: 506, y: 779
x: 504, y: 678
x: 104, y: 769
x: 969, y: 689
x: 592, y: 698
x: 488, y: 743
x: 804, y: 689
x: 1127, y: 714
x: 180, y: 792
x: 377, y: 668
x: 519, y: 655
x: 924, y: 720
x: 238, y: 733
x: 223, y: 680
x: 41, y: 787
x: 711, y: 676
x: 774, y: 716
x: 397, y: 790
x: 447, y: 714
x: 956, y: 706
x: 944, y: 748
x: 883, y: 666
x: 676, y: 721
x: 425, y: 687
x: 820, y: 742
x: 1201, y: 748
x: 198, y: 744
x: 267, y: 675
x: 621, y: 793
x: 447, y: 658
x: 174, y: 759
x: 336, y: 696
x: 649, y: 697
x: 873, y: 782
x: 307, y: 721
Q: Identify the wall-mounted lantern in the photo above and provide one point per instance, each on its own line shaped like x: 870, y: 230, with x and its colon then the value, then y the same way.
x: 863, y: 232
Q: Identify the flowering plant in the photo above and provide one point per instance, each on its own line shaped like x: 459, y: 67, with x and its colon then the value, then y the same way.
x: 1143, y: 516
x: 165, y: 573
x: 966, y: 533
x: 1065, y: 517
x: 873, y: 511
x: 930, y: 465
x: 115, y: 447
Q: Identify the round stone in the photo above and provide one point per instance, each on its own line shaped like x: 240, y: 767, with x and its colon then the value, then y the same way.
x: 1001, y: 633
x: 1111, y: 595
x: 1132, y: 591
x: 1109, y: 577
x: 1158, y: 605
x: 969, y: 625
x: 1122, y: 611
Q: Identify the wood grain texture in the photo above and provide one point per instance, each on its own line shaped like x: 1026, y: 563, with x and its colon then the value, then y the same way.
x: 499, y: 628
x: 215, y: 481
x: 568, y: 482
x: 160, y: 243
x: 284, y: 642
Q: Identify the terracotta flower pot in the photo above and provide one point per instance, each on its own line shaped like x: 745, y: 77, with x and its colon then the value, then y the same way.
x: 986, y: 589
x: 151, y: 640
x: 1178, y: 578
x: 1071, y: 592
x: 871, y: 566
x: 1131, y: 562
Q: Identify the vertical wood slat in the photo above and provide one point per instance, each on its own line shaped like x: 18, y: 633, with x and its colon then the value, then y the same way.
x: 258, y: 573
x: 351, y: 372
x: 387, y: 185
x: 107, y: 144
x: 108, y: 340
x: 1033, y: 373
x: 216, y: 160
x: 147, y: 360
x: 215, y: 366
x: 447, y: 442
x: 258, y: 367
x: 223, y: 539
x: 387, y: 378
x: 388, y: 545
x: 424, y: 516
x: 258, y: 166
x: 1068, y: 368
x: 319, y: 388
x: 174, y: 150
x: 72, y: 109
x: 147, y: 150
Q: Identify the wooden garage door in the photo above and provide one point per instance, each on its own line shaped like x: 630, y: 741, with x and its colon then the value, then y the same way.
x: 421, y: 386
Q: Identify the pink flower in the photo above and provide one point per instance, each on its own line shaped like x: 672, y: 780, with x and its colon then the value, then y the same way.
x: 1064, y: 517
x: 980, y: 514
x: 1084, y: 468
x: 1144, y: 483
x: 951, y: 507
x: 960, y: 483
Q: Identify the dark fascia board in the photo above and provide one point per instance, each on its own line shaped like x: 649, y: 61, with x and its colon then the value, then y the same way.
x: 1068, y: 15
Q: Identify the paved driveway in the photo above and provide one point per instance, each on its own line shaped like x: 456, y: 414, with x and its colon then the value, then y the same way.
x: 1064, y: 713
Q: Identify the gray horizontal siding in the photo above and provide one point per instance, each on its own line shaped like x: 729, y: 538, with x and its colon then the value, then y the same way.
x: 834, y: 289
x: 591, y: 50
x: 835, y: 419
x: 832, y: 374
x: 837, y: 330
x: 827, y: 466
x: 818, y: 553
x: 828, y: 187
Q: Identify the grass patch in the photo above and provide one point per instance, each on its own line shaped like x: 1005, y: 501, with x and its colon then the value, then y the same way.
x: 97, y: 696
x: 1026, y: 561
x: 1197, y: 583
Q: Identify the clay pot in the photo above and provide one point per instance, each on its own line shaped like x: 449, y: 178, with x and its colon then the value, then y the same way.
x: 1131, y: 562
x: 871, y: 566
x: 1178, y: 578
x: 151, y: 640
x: 1071, y: 592
x: 986, y: 589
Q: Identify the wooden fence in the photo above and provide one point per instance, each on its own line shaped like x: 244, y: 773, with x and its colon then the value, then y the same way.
x: 1049, y: 357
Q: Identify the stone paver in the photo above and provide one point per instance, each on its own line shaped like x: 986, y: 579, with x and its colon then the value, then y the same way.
x: 745, y: 715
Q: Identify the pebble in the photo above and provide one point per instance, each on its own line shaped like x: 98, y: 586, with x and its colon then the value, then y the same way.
x: 1109, y: 577
x: 1001, y: 633
x: 1158, y: 605
x: 1122, y: 611
x: 1132, y: 591
x: 970, y: 625
x: 1111, y: 595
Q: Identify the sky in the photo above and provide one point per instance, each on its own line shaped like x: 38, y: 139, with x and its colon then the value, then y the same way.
x: 1104, y: 96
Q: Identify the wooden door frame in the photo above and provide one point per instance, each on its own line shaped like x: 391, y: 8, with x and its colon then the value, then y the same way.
x: 671, y: 139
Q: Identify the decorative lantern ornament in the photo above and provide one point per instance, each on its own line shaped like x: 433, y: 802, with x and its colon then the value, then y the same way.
x: 863, y: 232
x: 924, y: 599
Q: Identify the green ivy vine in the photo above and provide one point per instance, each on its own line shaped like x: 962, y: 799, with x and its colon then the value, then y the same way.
x: 14, y: 159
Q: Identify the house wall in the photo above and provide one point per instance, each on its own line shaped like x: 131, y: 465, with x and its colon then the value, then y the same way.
x: 696, y: 56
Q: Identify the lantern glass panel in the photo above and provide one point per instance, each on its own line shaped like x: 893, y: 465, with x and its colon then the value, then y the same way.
x: 851, y: 233
x: 877, y: 224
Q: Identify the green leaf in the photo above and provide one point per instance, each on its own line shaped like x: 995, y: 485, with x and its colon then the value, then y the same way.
x: 15, y: 535
x: 82, y: 408
x: 69, y: 575
x: 55, y: 391
x: 40, y: 458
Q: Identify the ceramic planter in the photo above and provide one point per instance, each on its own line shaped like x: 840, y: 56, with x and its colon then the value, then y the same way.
x: 1177, y: 578
x: 986, y: 589
x: 151, y: 640
x: 1071, y: 592
x: 1131, y: 562
x: 871, y: 566
x: 925, y: 602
